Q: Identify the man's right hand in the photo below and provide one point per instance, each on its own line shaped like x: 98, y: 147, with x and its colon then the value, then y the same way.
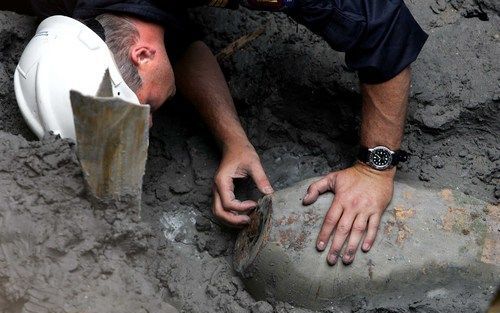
x: 238, y: 161
x: 200, y: 80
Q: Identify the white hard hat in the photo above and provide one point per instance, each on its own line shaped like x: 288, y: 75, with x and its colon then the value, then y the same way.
x: 63, y: 55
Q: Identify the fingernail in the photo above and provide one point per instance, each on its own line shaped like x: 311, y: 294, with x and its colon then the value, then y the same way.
x: 306, y: 196
x: 320, y: 246
x: 332, y: 259
x: 347, y: 259
x: 268, y: 190
x: 366, y: 247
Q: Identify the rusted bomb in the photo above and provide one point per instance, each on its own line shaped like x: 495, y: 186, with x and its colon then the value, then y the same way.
x: 430, y: 244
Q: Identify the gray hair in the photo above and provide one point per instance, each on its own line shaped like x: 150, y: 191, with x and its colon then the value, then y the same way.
x: 121, y: 34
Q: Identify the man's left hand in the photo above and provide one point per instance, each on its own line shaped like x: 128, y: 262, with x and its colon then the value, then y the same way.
x: 361, y: 196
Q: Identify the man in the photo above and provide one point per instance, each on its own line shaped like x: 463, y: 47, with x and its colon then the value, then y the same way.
x: 381, y: 39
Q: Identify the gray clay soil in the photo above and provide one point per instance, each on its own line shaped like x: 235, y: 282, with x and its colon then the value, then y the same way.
x: 301, y: 111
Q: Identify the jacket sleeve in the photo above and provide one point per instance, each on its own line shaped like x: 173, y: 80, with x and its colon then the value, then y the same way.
x: 380, y: 38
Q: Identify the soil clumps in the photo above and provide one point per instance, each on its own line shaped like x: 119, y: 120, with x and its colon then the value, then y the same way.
x: 301, y: 111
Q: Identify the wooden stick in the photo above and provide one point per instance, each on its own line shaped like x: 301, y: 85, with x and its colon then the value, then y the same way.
x: 240, y: 43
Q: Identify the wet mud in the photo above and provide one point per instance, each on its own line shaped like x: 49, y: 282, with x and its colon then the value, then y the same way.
x: 301, y: 111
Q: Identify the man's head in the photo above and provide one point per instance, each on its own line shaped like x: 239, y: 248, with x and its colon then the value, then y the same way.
x: 139, y: 51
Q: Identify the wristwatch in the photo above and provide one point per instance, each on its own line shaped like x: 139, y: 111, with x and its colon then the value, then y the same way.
x: 381, y: 158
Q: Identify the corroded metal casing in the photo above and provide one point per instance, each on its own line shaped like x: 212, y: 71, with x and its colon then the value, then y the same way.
x: 430, y: 244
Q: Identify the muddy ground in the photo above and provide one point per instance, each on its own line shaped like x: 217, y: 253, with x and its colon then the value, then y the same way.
x: 301, y: 111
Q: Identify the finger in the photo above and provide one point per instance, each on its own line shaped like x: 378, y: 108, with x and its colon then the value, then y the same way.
x: 319, y: 187
x: 341, y: 232
x: 225, y: 189
x: 331, y: 218
x: 371, y: 234
x: 260, y: 179
x: 357, y: 231
x: 227, y: 217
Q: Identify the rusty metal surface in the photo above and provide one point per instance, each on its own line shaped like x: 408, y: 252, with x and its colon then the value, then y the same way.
x: 427, y: 240
x: 251, y: 238
x: 112, y: 143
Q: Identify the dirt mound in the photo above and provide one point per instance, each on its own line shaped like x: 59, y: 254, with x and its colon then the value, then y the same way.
x: 300, y: 109
x: 57, y: 254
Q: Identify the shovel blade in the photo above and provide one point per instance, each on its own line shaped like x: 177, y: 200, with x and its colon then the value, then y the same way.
x: 112, y: 143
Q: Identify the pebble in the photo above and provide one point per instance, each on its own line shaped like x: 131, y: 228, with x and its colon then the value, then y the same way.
x: 202, y: 223
x: 262, y: 307
x: 437, y: 161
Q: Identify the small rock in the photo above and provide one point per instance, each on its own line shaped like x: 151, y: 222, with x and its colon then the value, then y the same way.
x: 474, y: 215
x: 181, y: 185
x: 493, y: 154
x: 70, y: 262
x: 149, y: 199
x: 174, y: 289
x: 244, y: 299
x: 106, y: 269
x: 438, y: 7
x: 211, y: 291
x: 262, y: 307
x: 226, y: 304
x: 456, y: 4
x: 496, y: 96
x: 421, y: 308
x: 214, y: 246
x: 437, y: 161
x: 424, y: 175
x: 162, y: 193
x: 202, y: 223
x: 110, y: 216
x: 180, y: 237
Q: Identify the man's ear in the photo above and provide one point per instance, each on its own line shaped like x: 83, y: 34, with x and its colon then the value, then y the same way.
x: 141, y: 55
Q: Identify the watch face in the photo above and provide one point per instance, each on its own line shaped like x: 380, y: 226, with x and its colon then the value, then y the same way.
x: 380, y: 157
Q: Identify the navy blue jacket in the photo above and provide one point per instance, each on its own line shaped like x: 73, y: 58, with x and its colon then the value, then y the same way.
x: 380, y: 38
